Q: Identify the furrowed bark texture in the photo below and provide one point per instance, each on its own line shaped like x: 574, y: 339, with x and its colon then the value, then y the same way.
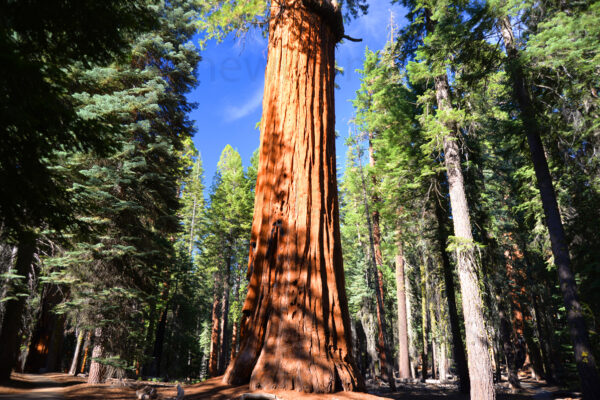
x: 295, y: 329
x: 96, y: 369
x: 403, y: 360
x: 458, y: 348
x: 586, y: 364
x: 480, y: 365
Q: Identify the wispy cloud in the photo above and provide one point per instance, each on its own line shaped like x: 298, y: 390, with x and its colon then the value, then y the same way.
x: 235, y: 112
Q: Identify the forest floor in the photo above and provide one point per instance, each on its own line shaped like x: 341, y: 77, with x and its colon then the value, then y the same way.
x: 56, y: 386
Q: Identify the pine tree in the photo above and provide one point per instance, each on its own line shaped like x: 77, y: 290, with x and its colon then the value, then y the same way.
x: 128, y: 200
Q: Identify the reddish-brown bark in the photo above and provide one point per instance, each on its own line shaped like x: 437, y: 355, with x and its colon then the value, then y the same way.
x: 382, y: 347
x: 213, y: 360
x: 86, y: 350
x: 295, y: 329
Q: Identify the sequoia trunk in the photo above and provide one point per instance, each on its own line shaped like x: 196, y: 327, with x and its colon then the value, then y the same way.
x: 295, y: 329
x: 586, y: 364
x: 403, y: 360
x: 480, y: 365
x: 213, y: 359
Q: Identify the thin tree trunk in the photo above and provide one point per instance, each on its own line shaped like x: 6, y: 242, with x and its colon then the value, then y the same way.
x: 458, y: 348
x: 584, y: 358
x: 507, y: 345
x: 480, y: 366
x: 213, y: 359
x: 224, y: 340
x: 377, y: 276
x: 77, y: 353
x: 159, y: 341
x: 295, y: 330
x: 192, y: 226
x: 424, y: 323
x: 432, y: 328
x: 54, y: 358
x: 403, y: 359
x: 11, y: 324
x: 96, y: 369
x: 86, y: 348
x: 234, y: 340
x: 385, y: 353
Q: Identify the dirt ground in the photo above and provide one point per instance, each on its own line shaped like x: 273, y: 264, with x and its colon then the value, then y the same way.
x: 65, y: 387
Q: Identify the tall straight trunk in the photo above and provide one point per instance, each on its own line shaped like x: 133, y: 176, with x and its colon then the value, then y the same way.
x: 11, y: 324
x: 584, y: 358
x: 86, y: 349
x: 77, y: 353
x: 295, y: 330
x: 96, y: 375
x: 458, y: 348
x: 213, y: 359
x: 411, y: 335
x: 432, y: 329
x: 480, y: 365
x: 424, y: 323
x: 443, y: 333
x: 387, y: 365
x: 192, y: 227
x: 403, y: 359
x: 369, y: 329
x: 223, y: 339
x: 235, y: 323
x: 54, y: 358
x: 375, y: 273
x: 234, y: 340
x: 507, y: 345
x: 159, y: 340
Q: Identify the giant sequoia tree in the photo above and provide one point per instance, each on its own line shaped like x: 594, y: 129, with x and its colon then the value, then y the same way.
x: 295, y: 330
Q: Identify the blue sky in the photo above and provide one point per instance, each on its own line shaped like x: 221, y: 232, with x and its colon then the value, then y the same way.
x: 231, y: 77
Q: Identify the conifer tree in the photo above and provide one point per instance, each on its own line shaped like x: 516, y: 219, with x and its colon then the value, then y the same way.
x: 42, y: 42
x: 128, y: 200
x: 441, y: 23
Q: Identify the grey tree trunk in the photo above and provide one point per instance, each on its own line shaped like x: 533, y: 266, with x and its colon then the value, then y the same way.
x: 584, y: 358
x: 458, y: 348
x: 403, y: 358
x: 75, y: 362
x: 480, y: 365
